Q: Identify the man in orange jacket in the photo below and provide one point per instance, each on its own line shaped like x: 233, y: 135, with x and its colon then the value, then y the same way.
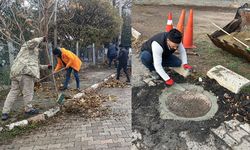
x: 70, y: 61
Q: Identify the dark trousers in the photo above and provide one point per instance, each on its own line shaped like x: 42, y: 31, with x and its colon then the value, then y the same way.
x: 125, y: 69
x: 68, y: 73
x: 170, y: 61
x: 111, y: 58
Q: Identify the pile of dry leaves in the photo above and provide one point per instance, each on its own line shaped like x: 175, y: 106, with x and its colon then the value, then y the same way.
x: 113, y: 83
x: 89, y: 105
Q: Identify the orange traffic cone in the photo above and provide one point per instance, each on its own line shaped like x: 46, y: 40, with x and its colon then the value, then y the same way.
x: 180, y: 25
x: 188, y: 34
x: 169, y: 25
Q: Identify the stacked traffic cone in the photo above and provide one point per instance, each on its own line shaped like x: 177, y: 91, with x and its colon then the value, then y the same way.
x: 180, y: 25
x: 169, y: 25
x: 188, y: 33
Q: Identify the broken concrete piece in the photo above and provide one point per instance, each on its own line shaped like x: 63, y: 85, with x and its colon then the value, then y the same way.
x: 134, y: 147
x: 228, y: 79
x: 151, y: 83
x: 135, y: 34
x: 147, y: 80
x: 51, y: 112
x: 1, y: 129
x: 95, y: 86
x: 136, y: 136
x: 16, y: 124
x: 181, y: 71
x: 200, y: 79
x: 78, y: 95
x: 37, y: 118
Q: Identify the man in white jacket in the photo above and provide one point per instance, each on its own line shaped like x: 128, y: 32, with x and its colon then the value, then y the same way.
x: 24, y: 71
x: 158, y: 51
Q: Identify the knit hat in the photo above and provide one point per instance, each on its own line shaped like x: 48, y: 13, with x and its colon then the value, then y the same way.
x: 175, y: 36
x: 57, y: 51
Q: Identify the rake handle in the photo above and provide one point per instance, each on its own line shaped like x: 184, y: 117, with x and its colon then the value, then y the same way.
x: 51, y: 74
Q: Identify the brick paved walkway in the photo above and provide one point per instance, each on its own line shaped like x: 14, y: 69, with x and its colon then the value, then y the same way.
x: 76, y: 133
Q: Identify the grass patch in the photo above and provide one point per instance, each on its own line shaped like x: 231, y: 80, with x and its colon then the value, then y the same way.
x: 5, y: 75
x: 8, y: 135
x: 213, y: 56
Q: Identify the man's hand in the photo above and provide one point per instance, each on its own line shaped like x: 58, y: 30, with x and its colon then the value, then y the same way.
x: 49, y: 66
x: 186, y: 66
x: 169, y: 82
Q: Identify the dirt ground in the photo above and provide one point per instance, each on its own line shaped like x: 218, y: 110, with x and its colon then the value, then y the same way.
x: 150, y: 20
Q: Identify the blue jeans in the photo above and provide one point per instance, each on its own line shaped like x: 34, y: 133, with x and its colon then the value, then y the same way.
x: 171, y: 61
x: 68, y: 73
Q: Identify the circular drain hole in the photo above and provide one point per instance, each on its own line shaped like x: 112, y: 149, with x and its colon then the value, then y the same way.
x: 188, y: 104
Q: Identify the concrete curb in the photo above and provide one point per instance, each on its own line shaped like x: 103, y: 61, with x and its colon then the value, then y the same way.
x: 53, y: 111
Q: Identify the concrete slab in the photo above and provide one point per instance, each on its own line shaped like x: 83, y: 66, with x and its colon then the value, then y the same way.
x: 181, y: 71
x: 228, y: 79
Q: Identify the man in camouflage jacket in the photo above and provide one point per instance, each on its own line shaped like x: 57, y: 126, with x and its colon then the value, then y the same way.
x: 24, y: 71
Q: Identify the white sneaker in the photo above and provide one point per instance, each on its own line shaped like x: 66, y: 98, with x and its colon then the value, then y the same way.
x: 154, y: 75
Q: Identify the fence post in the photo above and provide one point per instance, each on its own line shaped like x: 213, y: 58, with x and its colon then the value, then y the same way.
x: 77, y: 48
x: 94, y: 58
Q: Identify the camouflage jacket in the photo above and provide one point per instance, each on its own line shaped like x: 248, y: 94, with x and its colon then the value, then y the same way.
x: 27, y: 61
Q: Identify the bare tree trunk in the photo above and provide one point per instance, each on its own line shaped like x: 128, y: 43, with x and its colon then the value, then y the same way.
x: 11, y: 52
x: 55, y: 25
x: 120, y: 13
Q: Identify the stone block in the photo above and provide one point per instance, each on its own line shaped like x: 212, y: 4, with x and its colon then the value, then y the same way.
x: 228, y: 79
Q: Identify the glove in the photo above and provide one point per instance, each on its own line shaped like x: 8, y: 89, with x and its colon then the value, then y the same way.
x: 169, y: 82
x: 49, y: 66
x: 186, y: 66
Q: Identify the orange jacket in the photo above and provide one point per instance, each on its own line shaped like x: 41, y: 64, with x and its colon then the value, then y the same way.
x: 70, y: 59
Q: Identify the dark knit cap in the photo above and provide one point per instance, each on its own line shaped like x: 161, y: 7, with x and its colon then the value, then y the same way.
x: 57, y: 51
x: 175, y: 36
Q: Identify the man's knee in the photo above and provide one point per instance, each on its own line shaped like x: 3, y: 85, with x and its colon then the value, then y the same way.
x: 146, y: 57
x: 178, y: 62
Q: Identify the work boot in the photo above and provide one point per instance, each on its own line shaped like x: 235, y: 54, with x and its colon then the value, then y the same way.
x: 154, y: 75
x: 32, y: 111
x: 5, y: 116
